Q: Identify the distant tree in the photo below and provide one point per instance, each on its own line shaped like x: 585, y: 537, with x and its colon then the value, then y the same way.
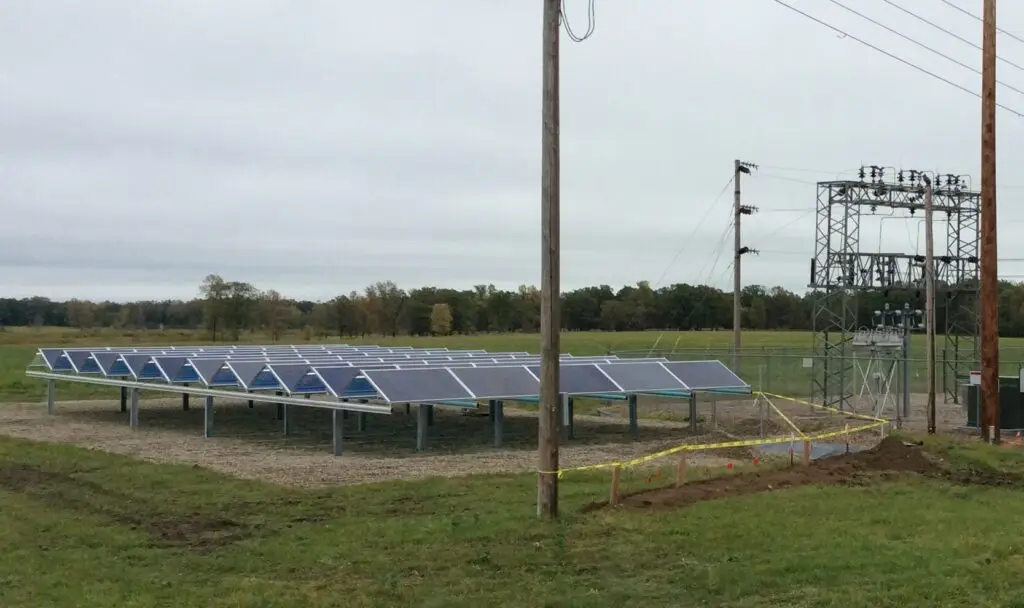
x: 441, y: 319
x: 274, y: 314
x: 214, y: 291
x: 81, y: 314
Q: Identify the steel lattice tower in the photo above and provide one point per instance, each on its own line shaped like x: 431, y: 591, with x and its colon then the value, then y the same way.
x: 840, y: 271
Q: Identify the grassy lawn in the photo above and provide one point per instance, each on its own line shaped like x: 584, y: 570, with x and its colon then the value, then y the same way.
x: 82, y: 528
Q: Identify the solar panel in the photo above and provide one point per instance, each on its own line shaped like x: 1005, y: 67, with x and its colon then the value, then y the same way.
x: 642, y: 376
x: 170, y: 367
x: 706, y: 375
x: 336, y: 379
x: 206, y: 368
x: 246, y: 371
x: 51, y: 356
x: 106, y: 361
x: 290, y: 373
x: 499, y: 382
x: 135, y: 363
x: 417, y: 385
x: 584, y: 379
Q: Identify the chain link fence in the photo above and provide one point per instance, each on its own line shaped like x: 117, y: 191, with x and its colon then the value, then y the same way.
x: 793, y: 371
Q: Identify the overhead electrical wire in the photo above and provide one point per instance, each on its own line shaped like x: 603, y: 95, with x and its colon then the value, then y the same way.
x: 971, y: 43
x: 970, y: 14
x: 591, y: 22
x: 878, y: 49
x: 693, y: 233
x: 913, y: 40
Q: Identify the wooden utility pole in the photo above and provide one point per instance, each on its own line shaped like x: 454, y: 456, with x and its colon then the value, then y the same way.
x: 550, y: 307
x: 989, y: 288
x: 929, y: 304
x: 739, y: 210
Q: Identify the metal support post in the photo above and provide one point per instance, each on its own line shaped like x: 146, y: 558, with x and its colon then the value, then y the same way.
x: 286, y: 419
x: 124, y: 399
x: 693, y: 411
x: 208, y: 417
x: 422, y: 423
x: 133, y: 416
x: 51, y: 392
x: 499, y: 423
x: 361, y: 422
x: 634, y: 423
x: 337, y: 437
x: 184, y: 401
x: 568, y: 431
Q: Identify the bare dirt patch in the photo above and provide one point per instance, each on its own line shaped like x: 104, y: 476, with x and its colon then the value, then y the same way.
x: 890, y: 458
x: 68, y: 492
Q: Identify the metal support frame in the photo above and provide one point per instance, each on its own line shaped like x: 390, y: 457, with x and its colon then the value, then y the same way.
x: 369, y: 407
x: 693, y: 412
x: 422, y: 424
x: 51, y: 396
x: 133, y: 415
x: 184, y: 400
x: 286, y: 419
x: 208, y: 417
x: 634, y: 422
x: 840, y: 270
x: 338, y: 434
x: 124, y: 399
x: 568, y: 427
x: 499, y: 422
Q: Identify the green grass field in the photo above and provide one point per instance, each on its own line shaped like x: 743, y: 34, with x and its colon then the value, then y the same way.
x: 83, y: 528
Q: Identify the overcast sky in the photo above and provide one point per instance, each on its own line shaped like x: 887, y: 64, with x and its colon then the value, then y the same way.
x: 317, y: 146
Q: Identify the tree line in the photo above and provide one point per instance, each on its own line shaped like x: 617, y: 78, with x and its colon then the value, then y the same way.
x: 226, y: 309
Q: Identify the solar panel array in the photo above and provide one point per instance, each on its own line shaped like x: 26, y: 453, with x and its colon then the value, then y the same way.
x: 393, y: 375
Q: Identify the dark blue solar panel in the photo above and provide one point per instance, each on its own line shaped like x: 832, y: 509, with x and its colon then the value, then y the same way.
x: 645, y: 376
x: 499, y: 382
x: 706, y: 375
x: 106, y: 361
x: 585, y: 379
x: 290, y: 373
x: 51, y: 356
x: 135, y: 363
x: 337, y: 379
x: 171, y: 366
x: 417, y: 385
x: 206, y: 369
x: 246, y: 371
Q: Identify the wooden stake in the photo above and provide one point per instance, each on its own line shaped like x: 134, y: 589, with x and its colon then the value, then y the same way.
x: 680, y: 470
x: 807, y: 453
x: 616, y: 476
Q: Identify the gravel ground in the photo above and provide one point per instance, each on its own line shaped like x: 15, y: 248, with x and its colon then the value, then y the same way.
x: 249, y: 442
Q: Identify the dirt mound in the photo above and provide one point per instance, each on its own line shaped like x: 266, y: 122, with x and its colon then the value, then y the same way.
x: 889, y: 456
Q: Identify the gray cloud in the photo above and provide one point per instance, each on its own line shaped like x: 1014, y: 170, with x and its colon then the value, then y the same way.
x: 319, y: 147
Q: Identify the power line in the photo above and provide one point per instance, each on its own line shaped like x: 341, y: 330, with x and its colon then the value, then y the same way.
x: 970, y: 14
x: 953, y: 34
x: 893, y: 56
x: 690, y: 238
x: 920, y: 44
x: 591, y: 22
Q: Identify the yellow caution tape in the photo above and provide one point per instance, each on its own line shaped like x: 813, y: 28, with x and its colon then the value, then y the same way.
x: 875, y: 423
